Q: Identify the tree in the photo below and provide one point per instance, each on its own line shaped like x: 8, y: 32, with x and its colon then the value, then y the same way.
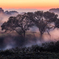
x: 44, y: 20
x: 20, y: 23
x: 57, y: 23
x: 10, y: 24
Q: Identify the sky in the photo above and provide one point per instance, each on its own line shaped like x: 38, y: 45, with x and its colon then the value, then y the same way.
x: 29, y: 4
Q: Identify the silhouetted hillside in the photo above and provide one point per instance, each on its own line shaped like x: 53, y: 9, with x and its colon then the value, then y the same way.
x: 4, y: 15
x: 8, y: 12
x: 11, y: 12
x: 1, y: 10
x: 55, y: 10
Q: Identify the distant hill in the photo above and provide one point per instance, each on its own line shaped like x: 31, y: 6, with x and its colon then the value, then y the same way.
x: 4, y: 15
x: 55, y: 10
x: 7, y: 12
x: 11, y: 12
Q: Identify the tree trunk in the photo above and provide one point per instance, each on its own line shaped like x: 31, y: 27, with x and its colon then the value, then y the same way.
x: 19, y: 32
x: 24, y: 34
x: 41, y: 36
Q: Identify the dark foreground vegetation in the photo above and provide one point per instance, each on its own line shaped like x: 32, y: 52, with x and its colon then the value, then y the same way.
x: 47, y: 51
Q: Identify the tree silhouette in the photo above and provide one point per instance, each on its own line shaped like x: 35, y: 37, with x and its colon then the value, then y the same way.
x: 43, y: 20
x: 10, y: 24
x: 20, y: 23
x: 57, y: 23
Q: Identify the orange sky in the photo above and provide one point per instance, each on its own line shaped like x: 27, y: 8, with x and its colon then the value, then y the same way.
x: 31, y: 4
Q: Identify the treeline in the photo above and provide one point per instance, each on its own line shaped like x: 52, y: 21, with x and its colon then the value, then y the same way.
x: 47, y: 46
x: 47, y: 50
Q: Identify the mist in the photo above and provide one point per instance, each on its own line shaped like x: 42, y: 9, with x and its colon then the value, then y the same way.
x: 9, y: 41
